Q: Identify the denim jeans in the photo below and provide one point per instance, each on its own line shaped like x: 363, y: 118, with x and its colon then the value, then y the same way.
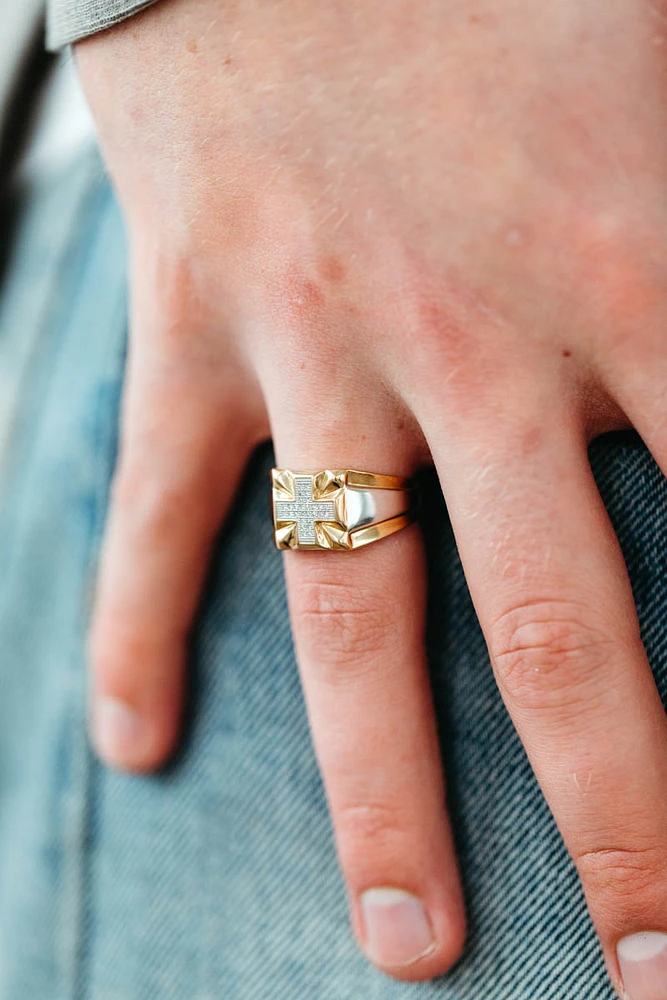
x: 216, y: 879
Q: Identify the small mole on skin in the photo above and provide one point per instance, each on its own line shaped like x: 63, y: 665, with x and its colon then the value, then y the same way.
x: 400, y: 425
x: 227, y: 61
x: 567, y: 354
x: 192, y: 45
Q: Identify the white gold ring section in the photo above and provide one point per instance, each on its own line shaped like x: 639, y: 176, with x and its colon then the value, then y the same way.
x: 364, y: 507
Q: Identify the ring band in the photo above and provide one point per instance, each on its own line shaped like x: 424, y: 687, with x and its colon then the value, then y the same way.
x: 341, y: 509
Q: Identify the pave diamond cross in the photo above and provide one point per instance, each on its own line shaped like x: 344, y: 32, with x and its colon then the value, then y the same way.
x: 305, y: 510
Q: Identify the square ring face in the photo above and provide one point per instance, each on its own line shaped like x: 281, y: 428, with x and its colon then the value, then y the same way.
x: 309, y: 510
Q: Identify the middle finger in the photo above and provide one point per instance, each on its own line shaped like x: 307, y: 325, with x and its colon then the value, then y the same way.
x: 551, y: 590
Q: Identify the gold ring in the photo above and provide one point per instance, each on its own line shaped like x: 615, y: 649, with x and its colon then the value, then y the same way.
x: 338, y: 509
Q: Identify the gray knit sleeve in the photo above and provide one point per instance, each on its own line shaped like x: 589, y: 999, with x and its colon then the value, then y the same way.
x: 69, y: 20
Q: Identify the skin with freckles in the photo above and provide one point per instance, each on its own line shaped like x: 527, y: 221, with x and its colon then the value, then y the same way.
x: 388, y: 234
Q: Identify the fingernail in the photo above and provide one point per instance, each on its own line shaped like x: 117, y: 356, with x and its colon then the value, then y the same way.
x: 643, y: 962
x: 398, y: 931
x: 119, y: 731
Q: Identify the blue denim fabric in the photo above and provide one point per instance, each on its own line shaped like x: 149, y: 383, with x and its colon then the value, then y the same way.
x: 217, y: 880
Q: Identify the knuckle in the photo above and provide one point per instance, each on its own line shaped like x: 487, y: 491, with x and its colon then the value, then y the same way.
x: 113, y: 649
x: 544, y: 652
x: 153, y: 493
x: 171, y: 309
x: 610, y: 251
x: 372, y: 832
x: 631, y: 872
x: 339, y: 622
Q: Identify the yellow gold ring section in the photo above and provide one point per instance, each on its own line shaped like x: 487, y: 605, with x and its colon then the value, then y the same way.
x: 338, y: 509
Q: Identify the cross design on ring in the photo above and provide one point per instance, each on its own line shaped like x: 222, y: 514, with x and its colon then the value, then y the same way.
x: 305, y: 510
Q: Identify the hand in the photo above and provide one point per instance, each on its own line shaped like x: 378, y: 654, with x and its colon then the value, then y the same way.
x: 385, y: 233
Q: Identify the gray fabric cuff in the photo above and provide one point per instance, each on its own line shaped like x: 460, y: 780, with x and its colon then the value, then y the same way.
x: 70, y: 20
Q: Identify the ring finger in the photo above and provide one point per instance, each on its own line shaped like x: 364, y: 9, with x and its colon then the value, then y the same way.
x: 358, y: 622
